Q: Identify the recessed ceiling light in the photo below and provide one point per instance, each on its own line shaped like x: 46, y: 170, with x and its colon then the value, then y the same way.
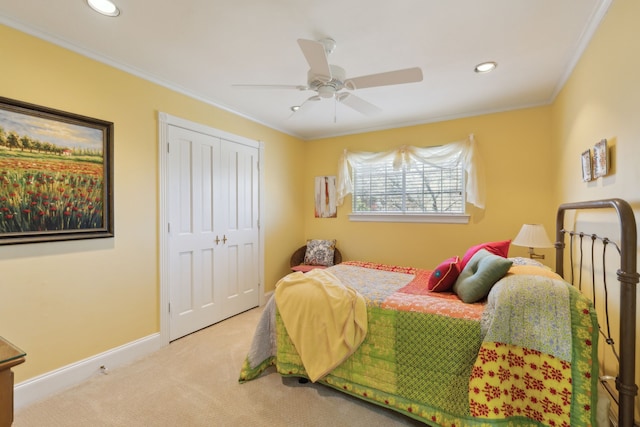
x: 295, y: 108
x: 105, y: 7
x: 485, y: 67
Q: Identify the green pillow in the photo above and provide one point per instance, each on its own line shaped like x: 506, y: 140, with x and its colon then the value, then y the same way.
x: 477, y: 278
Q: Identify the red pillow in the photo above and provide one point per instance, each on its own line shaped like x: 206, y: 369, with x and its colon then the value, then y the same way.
x: 444, y: 276
x: 306, y: 267
x: 497, y: 248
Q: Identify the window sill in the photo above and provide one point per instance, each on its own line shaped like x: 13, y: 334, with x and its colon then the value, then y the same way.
x: 424, y: 218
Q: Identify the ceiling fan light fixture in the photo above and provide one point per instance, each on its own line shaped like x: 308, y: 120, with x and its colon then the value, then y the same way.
x: 329, y: 45
x: 485, y: 67
x: 326, y: 91
x: 104, y: 7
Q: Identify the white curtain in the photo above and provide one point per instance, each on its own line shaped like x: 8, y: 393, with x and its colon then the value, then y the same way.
x: 463, y: 153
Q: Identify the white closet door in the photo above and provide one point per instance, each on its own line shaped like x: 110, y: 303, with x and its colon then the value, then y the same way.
x: 213, y: 244
x: 239, y: 216
x: 194, y: 297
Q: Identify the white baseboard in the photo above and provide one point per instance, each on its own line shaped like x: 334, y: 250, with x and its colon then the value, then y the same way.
x: 50, y: 383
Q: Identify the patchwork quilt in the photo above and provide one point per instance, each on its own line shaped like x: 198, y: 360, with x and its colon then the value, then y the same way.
x: 523, y: 357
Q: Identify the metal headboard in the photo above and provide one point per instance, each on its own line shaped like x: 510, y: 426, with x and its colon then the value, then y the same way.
x: 628, y: 278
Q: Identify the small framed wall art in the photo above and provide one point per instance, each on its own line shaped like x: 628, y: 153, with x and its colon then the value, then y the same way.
x: 587, y: 174
x: 600, y: 159
x: 325, y: 197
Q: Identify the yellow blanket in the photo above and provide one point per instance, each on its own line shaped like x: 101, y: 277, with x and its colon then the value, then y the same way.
x: 325, y: 320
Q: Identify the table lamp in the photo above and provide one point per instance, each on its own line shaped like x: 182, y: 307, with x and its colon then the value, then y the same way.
x: 533, y: 236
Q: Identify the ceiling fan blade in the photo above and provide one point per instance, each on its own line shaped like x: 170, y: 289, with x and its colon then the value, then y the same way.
x: 408, y: 75
x: 358, y: 104
x: 297, y: 87
x: 316, y: 56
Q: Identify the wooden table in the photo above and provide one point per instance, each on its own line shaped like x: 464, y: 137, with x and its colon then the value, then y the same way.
x: 10, y: 356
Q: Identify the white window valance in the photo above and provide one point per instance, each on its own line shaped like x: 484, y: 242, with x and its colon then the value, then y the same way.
x: 463, y: 153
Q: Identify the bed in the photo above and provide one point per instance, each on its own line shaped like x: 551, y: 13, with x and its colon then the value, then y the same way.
x: 522, y: 351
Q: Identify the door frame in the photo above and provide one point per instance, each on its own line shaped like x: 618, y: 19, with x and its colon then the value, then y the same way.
x: 164, y: 121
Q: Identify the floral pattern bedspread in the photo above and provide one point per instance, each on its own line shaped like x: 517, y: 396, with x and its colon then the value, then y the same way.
x: 425, y: 356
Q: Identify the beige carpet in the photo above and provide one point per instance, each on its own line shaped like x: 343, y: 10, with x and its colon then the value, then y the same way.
x: 194, y: 382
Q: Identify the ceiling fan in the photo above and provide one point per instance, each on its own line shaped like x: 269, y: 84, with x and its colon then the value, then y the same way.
x: 330, y: 81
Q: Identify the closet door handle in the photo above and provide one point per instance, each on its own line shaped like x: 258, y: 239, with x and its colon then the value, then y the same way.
x: 224, y: 239
x: 217, y: 240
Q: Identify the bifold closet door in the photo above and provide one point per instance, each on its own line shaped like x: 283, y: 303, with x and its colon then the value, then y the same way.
x: 194, y: 244
x: 239, y: 216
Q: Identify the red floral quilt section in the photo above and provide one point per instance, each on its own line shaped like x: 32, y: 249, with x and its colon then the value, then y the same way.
x: 511, y: 381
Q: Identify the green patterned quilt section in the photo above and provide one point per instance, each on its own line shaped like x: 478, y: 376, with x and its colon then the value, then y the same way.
x: 398, y: 366
x: 374, y: 362
x: 584, y: 360
x: 434, y: 366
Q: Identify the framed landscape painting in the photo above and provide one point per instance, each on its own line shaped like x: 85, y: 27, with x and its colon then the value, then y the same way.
x: 56, y: 175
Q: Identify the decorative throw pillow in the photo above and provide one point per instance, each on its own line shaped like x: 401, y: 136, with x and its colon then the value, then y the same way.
x: 500, y: 248
x: 477, y: 278
x: 320, y: 252
x: 444, y: 276
x: 304, y: 268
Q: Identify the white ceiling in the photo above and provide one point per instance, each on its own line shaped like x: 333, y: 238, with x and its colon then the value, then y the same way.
x: 203, y: 47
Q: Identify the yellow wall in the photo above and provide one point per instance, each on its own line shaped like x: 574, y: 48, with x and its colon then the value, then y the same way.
x: 515, y: 147
x: 66, y: 301
x: 602, y: 100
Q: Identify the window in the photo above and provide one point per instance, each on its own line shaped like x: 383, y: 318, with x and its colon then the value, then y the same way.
x: 411, y: 189
x: 412, y: 184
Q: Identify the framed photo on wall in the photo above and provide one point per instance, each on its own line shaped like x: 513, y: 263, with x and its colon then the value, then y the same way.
x: 56, y: 175
x: 600, y: 159
x: 586, y: 166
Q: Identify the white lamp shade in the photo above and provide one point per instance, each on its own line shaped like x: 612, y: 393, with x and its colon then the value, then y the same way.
x: 532, y: 236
